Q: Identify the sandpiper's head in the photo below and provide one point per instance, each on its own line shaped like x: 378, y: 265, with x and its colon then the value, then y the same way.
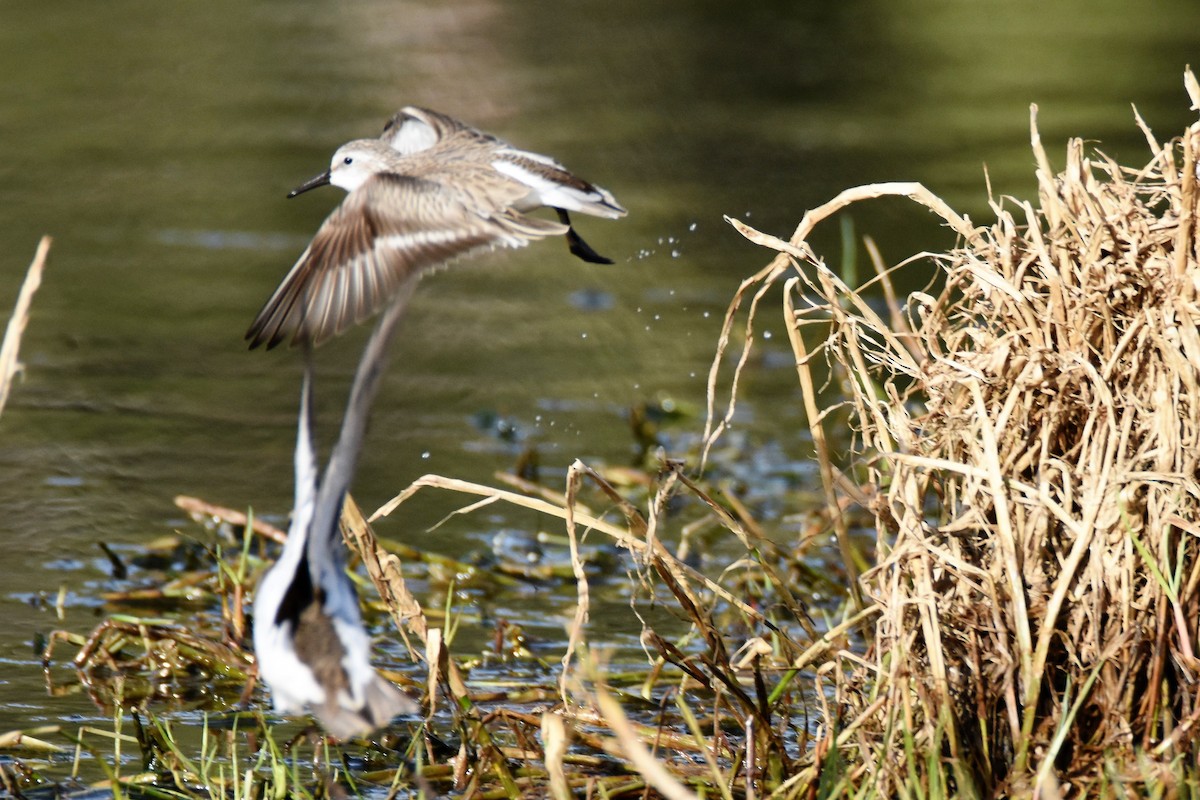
x: 352, y: 165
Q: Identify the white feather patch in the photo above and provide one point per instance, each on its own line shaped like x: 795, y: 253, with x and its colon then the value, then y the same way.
x: 413, y: 135
x: 549, y: 193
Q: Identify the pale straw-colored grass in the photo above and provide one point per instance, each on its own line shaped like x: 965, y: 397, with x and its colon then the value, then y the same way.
x: 10, y: 366
x: 1030, y: 435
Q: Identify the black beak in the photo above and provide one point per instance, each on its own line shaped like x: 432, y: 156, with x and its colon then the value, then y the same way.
x: 311, y: 183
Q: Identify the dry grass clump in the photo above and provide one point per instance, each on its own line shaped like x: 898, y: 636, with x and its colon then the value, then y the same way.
x: 1031, y: 434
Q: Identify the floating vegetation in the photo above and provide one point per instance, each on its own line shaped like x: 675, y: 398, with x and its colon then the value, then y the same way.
x: 511, y: 723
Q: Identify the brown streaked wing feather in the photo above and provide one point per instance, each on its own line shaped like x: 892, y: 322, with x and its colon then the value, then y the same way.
x: 289, y: 310
x: 308, y: 291
x: 384, y: 231
x: 279, y: 316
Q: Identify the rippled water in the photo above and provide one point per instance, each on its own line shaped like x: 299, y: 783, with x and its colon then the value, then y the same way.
x: 156, y: 142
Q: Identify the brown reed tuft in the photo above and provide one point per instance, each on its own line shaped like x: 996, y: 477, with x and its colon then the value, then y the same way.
x: 1030, y: 435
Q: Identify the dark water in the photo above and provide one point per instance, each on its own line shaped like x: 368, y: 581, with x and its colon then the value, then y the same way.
x: 156, y: 142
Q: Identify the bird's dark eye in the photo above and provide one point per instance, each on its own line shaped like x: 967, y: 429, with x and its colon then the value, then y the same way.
x: 349, y: 160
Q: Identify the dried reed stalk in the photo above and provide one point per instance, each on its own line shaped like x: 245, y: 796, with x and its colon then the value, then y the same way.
x: 9, y: 365
x: 1033, y: 444
x: 736, y: 682
x: 631, y: 539
x: 202, y: 512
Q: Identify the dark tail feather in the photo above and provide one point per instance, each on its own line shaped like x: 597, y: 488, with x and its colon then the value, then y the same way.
x: 580, y: 248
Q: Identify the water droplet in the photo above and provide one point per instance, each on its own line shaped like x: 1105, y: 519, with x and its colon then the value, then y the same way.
x: 425, y: 454
x: 583, y: 335
x: 766, y: 334
x: 692, y: 227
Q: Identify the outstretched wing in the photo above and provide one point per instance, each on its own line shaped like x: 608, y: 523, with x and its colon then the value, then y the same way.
x: 383, y: 232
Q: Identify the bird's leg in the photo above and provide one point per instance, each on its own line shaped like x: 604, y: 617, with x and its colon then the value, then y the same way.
x: 580, y: 248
